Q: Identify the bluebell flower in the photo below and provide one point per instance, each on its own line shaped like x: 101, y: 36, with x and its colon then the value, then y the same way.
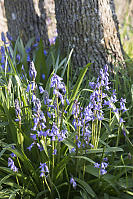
x: 43, y: 76
x: 17, y: 110
x: 102, y: 167
x: 40, y: 133
x: 103, y: 171
x: 35, y: 45
x: 42, y: 116
x: 52, y: 40
x: 56, y: 82
x: 37, y: 38
x: 44, y: 169
x: 30, y: 147
x: 49, y: 114
x: 28, y: 50
x: 91, y: 145
x: 122, y: 105
x: 32, y: 71
x: 13, y: 154
x: 121, y: 120
x: 33, y: 98
x: 72, y: 150
x: 78, y: 143
x: 74, y: 123
x: 62, y: 135
x: 55, y: 152
x: 2, y: 50
x: 40, y: 147
x: 42, y: 125
x: 36, y: 120
x: 45, y: 52
x: 124, y: 132
x: 67, y: 101
x: 92, y: 85
x: 3, y: 38
x: 76, y: 109
x: 18, y: 57
x: 37, y: 105
x: 33, y: 86
x: 33, y: 136
x: 9, y: 37
x: 96, y: 165
x: 41, y: 89
x: 73, y: 182
x: 28, y: 88
x: 12, y: 165
x: 28, y: 58
x: 105, y: 159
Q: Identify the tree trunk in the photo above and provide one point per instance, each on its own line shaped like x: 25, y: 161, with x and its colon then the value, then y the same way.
x: 26, y: 18
x: 3, y: 21
x: 91, y: 28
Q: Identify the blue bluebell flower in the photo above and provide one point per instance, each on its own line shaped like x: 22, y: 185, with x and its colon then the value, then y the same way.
x: 32, y: 71
x: 17, y: 110
x: 122, y: 105
x: 96, y: 165
x: 73, y: 150
x: 9, y: 37
x: 12, y: 165
x: 44, y: 170
x: 55, y: 152
x: 43, y: 76
x: 45, y: 52
x: 13, y: 154
x: 40, y: 147
x: 41, y: 89
x: 30, y: 147
x: 52, y: 40
x: 102, y: 166
x: 121, y: 120
x: 3, y: 38
x: 73, y: 182
x: 33, y: 136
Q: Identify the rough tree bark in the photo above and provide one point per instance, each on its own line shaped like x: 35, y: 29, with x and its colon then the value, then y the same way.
x: 91, y: 28
x: 26, y: 18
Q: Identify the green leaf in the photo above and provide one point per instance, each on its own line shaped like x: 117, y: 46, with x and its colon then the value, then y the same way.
x: 40, y: 63
x: 77, y: 86
x: 107, y: 177
x: 87, y: 187
x: 84, y: 158
x: 7, y: 170
x: 45, y: 147
x: 5, y: 178
x: 106, y: 150
x: 67, y: 64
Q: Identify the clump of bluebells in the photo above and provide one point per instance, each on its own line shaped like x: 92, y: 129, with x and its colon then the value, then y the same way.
x: 88, y: 121
x: 48, y: 129
x: 47, y: 120
x: 5, y: 48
